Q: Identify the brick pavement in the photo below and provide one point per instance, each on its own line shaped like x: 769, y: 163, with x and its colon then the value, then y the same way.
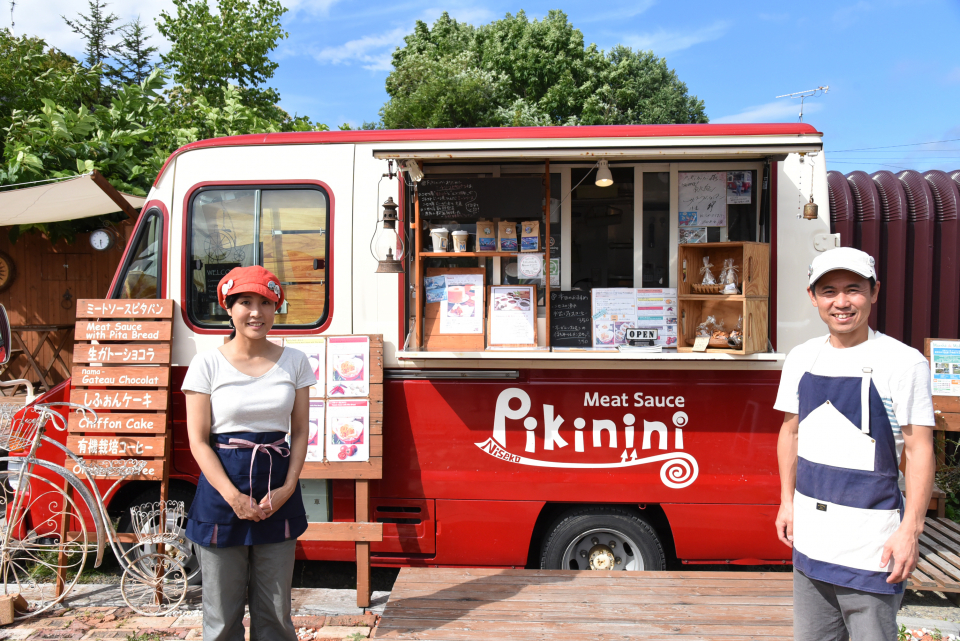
x: 84, y: 621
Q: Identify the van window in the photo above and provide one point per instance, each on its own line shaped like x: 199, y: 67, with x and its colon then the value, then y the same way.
x: 141, y: 273
x: 282, y: 229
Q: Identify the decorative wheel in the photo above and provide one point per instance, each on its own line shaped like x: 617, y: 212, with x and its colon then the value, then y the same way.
x: 602, y: 538
x: 8, y: 271
x: 30, y: 552
x: 154, y: 585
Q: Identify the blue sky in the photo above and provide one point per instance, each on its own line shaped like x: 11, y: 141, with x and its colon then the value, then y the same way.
x: 892, y: 65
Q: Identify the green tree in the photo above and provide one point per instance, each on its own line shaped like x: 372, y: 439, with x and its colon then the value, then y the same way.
x: 95, y: 28
x: 210, y: 51
x: 30, y: 71
x: 133, y: 55
x: 515, y: 72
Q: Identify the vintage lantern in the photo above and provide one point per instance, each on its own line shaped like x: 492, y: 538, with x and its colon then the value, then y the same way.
x: 386, y: 246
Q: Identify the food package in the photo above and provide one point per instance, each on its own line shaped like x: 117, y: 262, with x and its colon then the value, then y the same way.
x: 486, y: 236
x: 728, y: 277
x: 507, y: 236
x: 530, y: 236
x: 708, y: 278
x: 735, y: 340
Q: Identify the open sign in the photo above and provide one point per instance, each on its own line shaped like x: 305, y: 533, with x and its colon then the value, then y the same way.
x: 641, y: 334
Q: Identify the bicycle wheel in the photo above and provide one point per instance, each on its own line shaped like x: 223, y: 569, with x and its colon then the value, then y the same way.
x: 154, y: 584
x: 30, y: 551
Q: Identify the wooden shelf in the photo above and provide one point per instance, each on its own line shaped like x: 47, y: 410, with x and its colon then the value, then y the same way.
x: 474, y: 254
x: 718, y: 297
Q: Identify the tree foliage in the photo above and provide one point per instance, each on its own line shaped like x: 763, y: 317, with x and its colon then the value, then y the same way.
x: 232, y: 47
x: 96, y: 29
x: 133, y: 55
x: 515, y: 72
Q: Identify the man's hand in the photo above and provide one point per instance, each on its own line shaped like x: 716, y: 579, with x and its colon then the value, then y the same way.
x: 785, y: 524
x: 903, y: 547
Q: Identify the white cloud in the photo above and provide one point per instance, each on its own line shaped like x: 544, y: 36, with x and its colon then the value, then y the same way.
x: 372, y: 52
x: 663, y: 42
x: 783, y: 110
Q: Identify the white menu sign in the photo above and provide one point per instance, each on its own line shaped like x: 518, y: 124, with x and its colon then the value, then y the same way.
x: 513, y: 315
x: 348, y: 371
x: 462, y: 310
x: 316, y: 433
x: 348, y: 430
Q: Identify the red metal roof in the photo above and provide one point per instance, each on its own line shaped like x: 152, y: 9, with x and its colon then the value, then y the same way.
x: 499, y: 133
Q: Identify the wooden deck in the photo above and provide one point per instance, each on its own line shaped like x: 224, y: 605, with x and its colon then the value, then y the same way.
x: 524, y: 605
x: 939, y: 565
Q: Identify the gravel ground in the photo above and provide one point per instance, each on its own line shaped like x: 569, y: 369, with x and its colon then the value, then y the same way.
x: 929, y: 605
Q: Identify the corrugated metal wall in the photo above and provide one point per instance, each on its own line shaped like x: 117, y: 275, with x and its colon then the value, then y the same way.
x: 909, y: 223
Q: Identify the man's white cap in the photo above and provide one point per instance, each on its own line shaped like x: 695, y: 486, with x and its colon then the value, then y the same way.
x: 846, y: 258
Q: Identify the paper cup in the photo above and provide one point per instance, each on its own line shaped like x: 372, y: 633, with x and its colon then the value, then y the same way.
x: 440, y: 241
x: 460, y: 240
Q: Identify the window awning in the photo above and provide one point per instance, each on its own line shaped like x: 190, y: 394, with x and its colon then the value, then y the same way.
x: 78, y: 197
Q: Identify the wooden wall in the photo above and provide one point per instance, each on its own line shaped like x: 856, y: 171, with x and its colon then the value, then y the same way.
x: 49, y: 280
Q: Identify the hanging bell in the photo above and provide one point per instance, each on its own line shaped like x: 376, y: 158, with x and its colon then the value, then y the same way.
x: 810, y: 210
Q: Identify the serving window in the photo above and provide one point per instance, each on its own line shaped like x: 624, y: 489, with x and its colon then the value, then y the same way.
x: 601, y: 259
x: 283, y: 229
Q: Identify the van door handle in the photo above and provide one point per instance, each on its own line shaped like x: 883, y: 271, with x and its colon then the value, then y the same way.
x: 319, y: 263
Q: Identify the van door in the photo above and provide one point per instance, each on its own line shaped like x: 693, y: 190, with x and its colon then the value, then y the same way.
x: 288, y: 208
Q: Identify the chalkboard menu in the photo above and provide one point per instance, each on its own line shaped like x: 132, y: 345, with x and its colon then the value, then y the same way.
x: 570, y: 319
x: 518, y: 198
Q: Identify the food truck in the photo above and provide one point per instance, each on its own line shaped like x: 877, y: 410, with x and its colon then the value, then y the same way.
x: 540, y: 293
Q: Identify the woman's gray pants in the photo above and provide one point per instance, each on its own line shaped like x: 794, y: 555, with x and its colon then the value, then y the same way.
x: 260, y: 574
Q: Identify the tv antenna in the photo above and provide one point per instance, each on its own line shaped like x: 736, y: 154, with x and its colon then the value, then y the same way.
x: 809, y: 93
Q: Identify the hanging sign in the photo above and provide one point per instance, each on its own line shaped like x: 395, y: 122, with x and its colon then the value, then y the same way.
x: 121, y: 376
x: 141, y: 423
x: 124, y: 399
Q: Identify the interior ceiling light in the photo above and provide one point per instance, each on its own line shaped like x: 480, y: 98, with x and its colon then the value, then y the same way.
x: 604, y: 177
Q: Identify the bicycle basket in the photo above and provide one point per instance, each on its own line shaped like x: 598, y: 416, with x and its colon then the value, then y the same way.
x: 17, y: 433
x: 146, y: 519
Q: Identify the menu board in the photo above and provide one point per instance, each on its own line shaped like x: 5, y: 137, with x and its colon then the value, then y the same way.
x: 570, y: 323
x: 315, y: 348
x: 315, y: 438
x: 348, y: 366
x: 615, y: 310
x: 945, y: 367
x: 461, y: 309
x: 513, y: 315
x: 487, y: 198
x: 348, y: 430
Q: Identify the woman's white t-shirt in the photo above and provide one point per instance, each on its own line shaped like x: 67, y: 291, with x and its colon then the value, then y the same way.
x: 242, y: 403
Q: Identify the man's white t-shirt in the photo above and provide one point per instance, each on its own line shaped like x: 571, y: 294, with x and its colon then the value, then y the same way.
x: 241, y: 403
x: 901, y: 375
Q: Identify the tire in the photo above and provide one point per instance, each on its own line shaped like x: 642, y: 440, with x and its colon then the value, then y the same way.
x: 191, y: 564
x: 601, y: 538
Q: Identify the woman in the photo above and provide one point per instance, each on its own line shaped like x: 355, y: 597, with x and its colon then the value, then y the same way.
x: 243, y: 399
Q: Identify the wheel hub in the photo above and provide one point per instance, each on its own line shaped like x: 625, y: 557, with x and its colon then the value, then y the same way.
x: 601, y: 558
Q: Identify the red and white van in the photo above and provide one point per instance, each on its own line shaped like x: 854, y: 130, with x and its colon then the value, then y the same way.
x: 459, y: 486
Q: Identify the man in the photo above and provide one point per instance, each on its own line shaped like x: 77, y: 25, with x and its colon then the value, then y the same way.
x: 852, y: 401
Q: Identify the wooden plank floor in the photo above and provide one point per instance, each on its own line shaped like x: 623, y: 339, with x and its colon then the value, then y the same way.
x: 939, y: 565
x: 525, y: 605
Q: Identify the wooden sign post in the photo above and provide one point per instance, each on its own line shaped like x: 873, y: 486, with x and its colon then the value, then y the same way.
x: 361, y: 531
x: 122, y: 371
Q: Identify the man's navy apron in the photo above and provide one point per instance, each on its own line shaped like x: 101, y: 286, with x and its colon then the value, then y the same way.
x: 847, y: 503
x: 259, y: 459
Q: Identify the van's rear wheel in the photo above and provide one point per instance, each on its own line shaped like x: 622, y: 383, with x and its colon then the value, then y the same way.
x: 602, y: 538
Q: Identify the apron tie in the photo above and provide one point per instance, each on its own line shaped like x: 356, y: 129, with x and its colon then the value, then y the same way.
x: 243, y: 444
x: 865, y: 400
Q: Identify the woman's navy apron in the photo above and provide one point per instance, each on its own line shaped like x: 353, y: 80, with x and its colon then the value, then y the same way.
x: 847, y: 502
x: 256, y: 461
